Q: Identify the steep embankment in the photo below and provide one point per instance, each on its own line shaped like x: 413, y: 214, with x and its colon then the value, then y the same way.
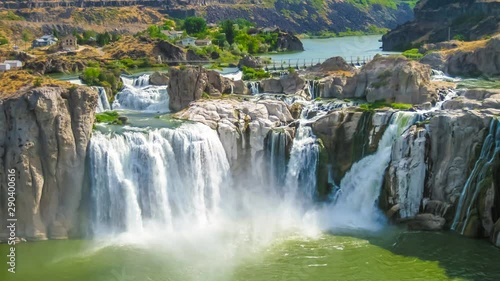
x: 314, y: 16
x: 294, y: 16
x: 437, y: 21
x: 44, y: 132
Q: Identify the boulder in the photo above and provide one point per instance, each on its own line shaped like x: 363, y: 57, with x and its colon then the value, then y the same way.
x: 435, y: 60
x: 189, y: 84
x: 251, y: 61
x: 158, y: 79
x: 292, y: 83
x: 271, y: 85
x: 240, y: 88
x: 393, y: 79
x: 289, y: 42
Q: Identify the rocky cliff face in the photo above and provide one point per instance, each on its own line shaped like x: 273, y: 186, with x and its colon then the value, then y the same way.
x: 302, y: 17
x: 43, y: 136
x: 189, y: 84
x: 242, y: 126
x: 437, y: 21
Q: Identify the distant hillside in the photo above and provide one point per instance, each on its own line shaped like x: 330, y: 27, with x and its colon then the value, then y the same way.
x: 300, y: 16
x: 440, y: 20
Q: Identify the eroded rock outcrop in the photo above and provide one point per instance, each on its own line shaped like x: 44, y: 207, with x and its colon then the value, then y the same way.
x: 392, y: 79
x: 44, y: 134
x: 349, y: 135
x: 242, y: 125
x: 189, y: 84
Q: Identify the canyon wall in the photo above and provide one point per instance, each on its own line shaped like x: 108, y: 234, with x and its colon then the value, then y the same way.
x: 44, y: 134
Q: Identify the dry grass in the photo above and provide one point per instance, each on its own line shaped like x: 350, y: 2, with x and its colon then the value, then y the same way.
x: 12, y: 82
x: 467, y: 46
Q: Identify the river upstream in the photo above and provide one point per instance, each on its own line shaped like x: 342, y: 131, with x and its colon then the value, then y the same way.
x: 164, y: 204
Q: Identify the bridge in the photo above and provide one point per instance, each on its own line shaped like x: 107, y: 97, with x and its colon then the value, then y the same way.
x: 281, y: 64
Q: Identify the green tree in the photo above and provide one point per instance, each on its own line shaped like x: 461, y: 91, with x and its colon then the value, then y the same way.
x: 194, y: 25
x: 103, y: 38
x: 26, y: 37
x: 228, y: 29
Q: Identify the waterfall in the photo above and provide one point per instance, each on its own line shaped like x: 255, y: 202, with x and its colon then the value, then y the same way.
x: 301, y: 169
x: 478, y: 179
x: 141, y: 81
x: 356, y: 203
x: 165, y: 177
x: 276, y: 155
x: 151, y: 98
x: 102, y: 101
x: 312, y: 88
x: 254, y: 87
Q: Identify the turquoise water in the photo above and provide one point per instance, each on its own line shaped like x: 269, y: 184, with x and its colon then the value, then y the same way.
x: 391, y: 255
x: 347, y: 47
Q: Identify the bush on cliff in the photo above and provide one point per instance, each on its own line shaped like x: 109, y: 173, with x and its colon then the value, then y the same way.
x: 108, y: 78
x: 253, y: 74
x: 413, y: 54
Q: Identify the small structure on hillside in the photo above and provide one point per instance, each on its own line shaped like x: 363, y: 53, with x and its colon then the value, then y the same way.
x: 44, y: 41
x: 4, y: 67
x: 204, y: 42
x: 69, y: 43
x: 188, y: 41
x: 14, y: 64
x: 173, y: 34
x: 10, y: 65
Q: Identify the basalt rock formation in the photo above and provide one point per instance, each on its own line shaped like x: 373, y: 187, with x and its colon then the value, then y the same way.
x: 437, y: 21
x: 44, y: 134
x: 189, y: 84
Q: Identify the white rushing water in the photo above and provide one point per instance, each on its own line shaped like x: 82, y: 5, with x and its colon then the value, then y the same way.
x: 356, y: 199
x: 137, y: 94
x: 102, y: 101
x: 168, y: 177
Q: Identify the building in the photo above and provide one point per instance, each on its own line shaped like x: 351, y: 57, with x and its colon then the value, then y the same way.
x: 202, y: 43
x: 14, y: 64
x: 173, y: 34
x: 4, y: 67
x: 46, y: 40
x: 188, y: 41
x: 69, y: 43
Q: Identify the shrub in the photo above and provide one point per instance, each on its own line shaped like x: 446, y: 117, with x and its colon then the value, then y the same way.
x: 413, y: 54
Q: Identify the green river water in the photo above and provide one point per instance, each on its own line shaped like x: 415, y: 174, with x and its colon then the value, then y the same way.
x: 393, y: 254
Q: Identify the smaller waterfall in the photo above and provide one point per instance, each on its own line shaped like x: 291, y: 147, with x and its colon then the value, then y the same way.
x: 152, y: 98
x: 254, y: 87
x: 356, y: 200
x: 301, y: 171
x: 277, y: 141
x: 102, y: 101
x: 477, y: 180
x: 438, y: 75
x: 141, y: 81
x: 312, y: 88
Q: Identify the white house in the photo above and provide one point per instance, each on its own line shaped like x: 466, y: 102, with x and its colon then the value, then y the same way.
x: 4, y: 67
x: 14, y: 63
x: 173, y: 34
x: 204, y: 42
x: 188, y: 41
x: 43, y: 41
